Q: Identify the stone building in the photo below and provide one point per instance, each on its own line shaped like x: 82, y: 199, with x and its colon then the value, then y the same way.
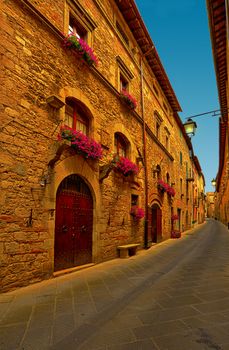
x: 199, y: 193
x: 210, y: 204
x: 63, y: 204
x: 219, y: 29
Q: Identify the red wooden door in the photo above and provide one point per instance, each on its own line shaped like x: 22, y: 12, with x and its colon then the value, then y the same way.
x: 156, y: 223
x: 74, y: 223
x: 159, y: 224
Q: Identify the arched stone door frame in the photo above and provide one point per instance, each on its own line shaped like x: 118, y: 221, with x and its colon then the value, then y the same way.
x: 69, y: 166
x: 155, y: 222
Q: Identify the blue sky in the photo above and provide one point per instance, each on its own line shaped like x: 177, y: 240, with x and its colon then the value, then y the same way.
x: 180, y: 32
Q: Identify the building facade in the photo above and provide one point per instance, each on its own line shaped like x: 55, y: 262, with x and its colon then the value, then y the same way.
x: 219, y: 29
x: 89, y: 139
x: 210, y: 204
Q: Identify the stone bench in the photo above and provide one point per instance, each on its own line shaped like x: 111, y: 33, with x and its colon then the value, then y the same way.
x: 127, y: 250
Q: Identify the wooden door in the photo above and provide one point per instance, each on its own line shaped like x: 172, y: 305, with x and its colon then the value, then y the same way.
x: 156, y: 223
x: 74, y: 224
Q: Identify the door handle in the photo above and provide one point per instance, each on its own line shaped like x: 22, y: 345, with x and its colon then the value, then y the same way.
x: 64, y: 228
x: 83, y: 228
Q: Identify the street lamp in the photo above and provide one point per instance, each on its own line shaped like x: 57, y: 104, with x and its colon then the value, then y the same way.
x: 190, y: 127
x: 213, y: 182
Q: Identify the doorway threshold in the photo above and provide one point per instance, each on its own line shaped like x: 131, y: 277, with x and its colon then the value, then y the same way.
x: 71, y: 269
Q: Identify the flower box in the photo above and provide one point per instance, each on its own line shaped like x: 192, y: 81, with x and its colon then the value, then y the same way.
x: 164, y: 187
x: 126, y: 167
x: 128, y: 99
x: 84, y: 145
x: 137, y: 213
x: 81, y: 48
x: 174, y: 217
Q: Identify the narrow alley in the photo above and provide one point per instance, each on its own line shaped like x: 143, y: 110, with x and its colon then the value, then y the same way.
x: 173, y: 296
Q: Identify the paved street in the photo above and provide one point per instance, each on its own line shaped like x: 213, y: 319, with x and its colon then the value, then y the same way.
x: 173, y: 296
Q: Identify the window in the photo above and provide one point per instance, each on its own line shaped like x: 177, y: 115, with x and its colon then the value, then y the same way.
x: 167, y: 178
x: 120, y: 145
x: 134, y: 199
x: 181, y: 186
x: 157, y: 171
x: 124, y: 75
x: 122, y: 33
x: 75, y: 118
x: 181, y: 158
x: 158, y: 121
x: 157, y: 130
x: 124, y: 84
x: 166, y: 142
x: 78, y: 21
x: 76, y: 28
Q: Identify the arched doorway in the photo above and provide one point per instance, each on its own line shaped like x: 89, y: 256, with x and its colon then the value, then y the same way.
x: 156, y: 220
x: 74, y: 224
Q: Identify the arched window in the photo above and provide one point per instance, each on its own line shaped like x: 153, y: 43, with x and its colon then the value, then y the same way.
x: 120, y: 145
x: 75, y: 117
x: 158, y: 171
x: 167, y: 178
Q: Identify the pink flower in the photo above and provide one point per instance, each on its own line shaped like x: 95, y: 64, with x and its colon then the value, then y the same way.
x: 80, y: 47
x: 137, y: 213
x: 89, y: 148
x: 130, y: 100
x: 126, y: 166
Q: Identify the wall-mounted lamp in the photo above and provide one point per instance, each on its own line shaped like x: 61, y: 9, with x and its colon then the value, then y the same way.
x: 190, y: 126
x: 213, y: 182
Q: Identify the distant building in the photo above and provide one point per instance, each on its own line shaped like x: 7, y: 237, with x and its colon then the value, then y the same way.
x: 210, y: 204
x: 219, y: 28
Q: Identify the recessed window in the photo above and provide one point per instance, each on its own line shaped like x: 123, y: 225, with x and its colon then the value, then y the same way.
x: 122, y: 33
x: 181, y: 186
x: 167, y: 178
x: 75, y: 117
x: 134, y: 199
x: 166, y: 142
x: 181, y: 158
x: 124, y: 75
x: 158, y: 130
x: 120, y: 145
x: 124, y: 84
x: 158, y: 122
x: 76, y: 28
x: 78, y: 21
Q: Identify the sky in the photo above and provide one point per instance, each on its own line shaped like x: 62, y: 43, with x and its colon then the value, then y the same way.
x: 180, y: 32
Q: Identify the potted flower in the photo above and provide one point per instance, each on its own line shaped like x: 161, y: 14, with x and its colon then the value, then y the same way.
x: 126, y: 167
x: 137, y: 213
x: 84, y: 145
x: 128, y: 99
x: 171, y: 192
x: 174, y: 217
x: 81, y: 48
x: 162, y: 186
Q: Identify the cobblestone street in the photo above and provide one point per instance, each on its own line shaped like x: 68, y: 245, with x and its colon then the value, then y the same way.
x: 173, y: 296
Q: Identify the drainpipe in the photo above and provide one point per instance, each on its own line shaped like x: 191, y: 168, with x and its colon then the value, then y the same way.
x: 145, y: 155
